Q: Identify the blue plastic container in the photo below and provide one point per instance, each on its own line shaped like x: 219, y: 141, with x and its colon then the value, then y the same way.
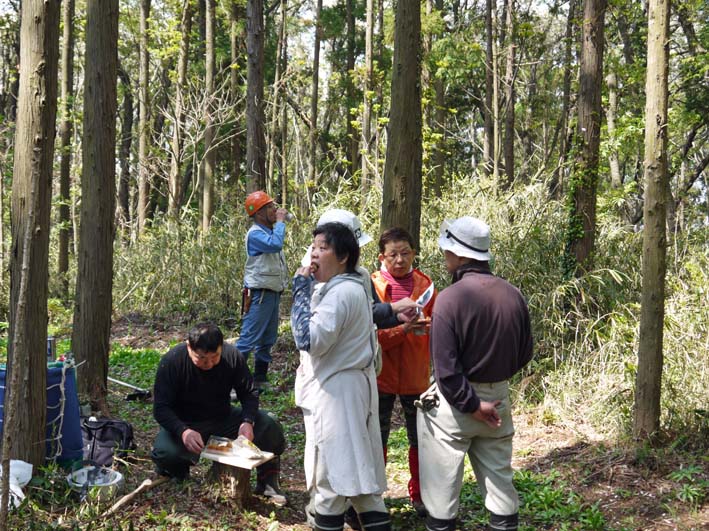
x: 63, y: 434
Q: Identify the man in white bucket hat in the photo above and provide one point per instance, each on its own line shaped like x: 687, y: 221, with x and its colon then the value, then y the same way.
x: 480, y: 337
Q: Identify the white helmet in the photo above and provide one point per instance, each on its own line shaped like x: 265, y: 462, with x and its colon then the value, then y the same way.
x: 347, y: 218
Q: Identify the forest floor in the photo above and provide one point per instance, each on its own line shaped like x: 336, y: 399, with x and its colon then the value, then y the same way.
x: 571, y: 477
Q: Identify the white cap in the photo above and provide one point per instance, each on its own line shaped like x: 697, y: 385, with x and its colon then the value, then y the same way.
x: 467, y: 237
x: 337, y: 215
x: 347, y: 218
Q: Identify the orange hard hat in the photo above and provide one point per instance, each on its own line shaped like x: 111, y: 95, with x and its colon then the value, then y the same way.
x: 255, y: 201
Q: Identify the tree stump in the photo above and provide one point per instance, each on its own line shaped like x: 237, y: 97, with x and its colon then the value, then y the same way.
x: 235, y: 480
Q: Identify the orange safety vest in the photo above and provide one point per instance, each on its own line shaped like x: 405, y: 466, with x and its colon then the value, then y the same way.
x: 406, y: 359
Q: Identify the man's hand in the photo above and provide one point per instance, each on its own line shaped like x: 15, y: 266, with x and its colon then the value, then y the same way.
x: 247, y: 430
x: 487, y: 413
x: 403, y: 305
x: 192, y: 441
x: 281, y: 214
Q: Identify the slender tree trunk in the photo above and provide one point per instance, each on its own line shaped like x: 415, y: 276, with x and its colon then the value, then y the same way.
x: 612, y: 82
x: 556, y: 184
x: 439, y: 123
x: 582, y: 222
x: 652, y: 303
x: 401, y: 201
x: 92, y: 310
x: 161, y: 99
x: 285, y: 196
x: 367, y: 101
x: 313, y: 138
x: 379, y: 93
x: 489, y: 143
x: 495, y: 101
x: 24, y: 423
x: 210, y: 154
x: 15, y: 86
x: 510, y: 96
x: 352, y: 139
x: 236, y: 137
x: 66, y: 130
x: 283, y: 107
x: 684, y: 18
x: 126, y: 141
x: 144, y: 118
x: 255, y: 135
x: 175, y: 180
x: 275, y: 126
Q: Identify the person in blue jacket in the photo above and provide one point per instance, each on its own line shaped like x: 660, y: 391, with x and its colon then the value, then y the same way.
x: 265, y: 278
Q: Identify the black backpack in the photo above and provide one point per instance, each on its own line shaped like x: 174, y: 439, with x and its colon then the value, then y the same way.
x: 105, y: 438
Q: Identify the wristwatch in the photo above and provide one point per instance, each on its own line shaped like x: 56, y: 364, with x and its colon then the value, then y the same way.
x: 248, y: 421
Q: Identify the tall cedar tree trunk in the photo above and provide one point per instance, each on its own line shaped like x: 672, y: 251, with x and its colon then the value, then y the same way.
x: 278, y: 100
x: 495, y: 141
x: 612, y: 82
x: 126, y: 140
x: 352, y: 140
x: 556, y: 183
x: 94, y: 282
x: 162, y: 99
x: 401, y: 201
x: 175, y: 180
x: 313, y: 138
x: 255, y: 134
x: 235, y: 40
x: 379, y: 90
x: 210, y: 153
x: 25, y: 411
x: 489, y: 143
x: 367, y: 99
x: 439, y: 156
x: 583, y: 189
x: 144, y: 118
x: 652, y: 302
x: 509, y: 147
x: 65, y: 131
x: 284, y: 124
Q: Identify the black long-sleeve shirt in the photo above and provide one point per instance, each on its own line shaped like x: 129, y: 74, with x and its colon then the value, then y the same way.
x: 480, y: 332
x: 382, y: 313
x: 186, y: 394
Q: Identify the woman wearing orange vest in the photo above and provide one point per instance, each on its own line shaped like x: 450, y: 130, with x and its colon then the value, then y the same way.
x: 405, y: 352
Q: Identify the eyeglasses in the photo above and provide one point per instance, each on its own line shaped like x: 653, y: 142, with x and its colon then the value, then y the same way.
x: 404, y: 255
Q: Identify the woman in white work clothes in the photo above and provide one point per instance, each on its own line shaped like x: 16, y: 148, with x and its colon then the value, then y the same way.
x: 336, y: 384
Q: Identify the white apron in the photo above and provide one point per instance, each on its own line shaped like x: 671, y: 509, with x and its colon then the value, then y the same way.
x: 336, y: 388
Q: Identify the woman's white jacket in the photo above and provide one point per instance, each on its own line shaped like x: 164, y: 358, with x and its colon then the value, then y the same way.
x: 336, y: 388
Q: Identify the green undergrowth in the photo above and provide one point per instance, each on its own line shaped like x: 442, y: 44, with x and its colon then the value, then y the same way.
x: 551, y: 497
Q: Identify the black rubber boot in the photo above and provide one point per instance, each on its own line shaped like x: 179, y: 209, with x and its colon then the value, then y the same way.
x: 260, y: 374
x: 504, y: 523
x: 436, y: 524
x: 375, y: 521
x: 352, y: 519
x: 329, y: 522
x: 267, y: 483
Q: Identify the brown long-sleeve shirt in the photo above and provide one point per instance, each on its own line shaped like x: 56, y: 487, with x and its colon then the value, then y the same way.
x: 480, y: 333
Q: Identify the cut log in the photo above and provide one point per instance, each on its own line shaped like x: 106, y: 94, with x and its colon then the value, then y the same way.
x: 234, y: 480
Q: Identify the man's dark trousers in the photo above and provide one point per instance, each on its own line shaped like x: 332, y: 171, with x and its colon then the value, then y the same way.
x: 172, y: 458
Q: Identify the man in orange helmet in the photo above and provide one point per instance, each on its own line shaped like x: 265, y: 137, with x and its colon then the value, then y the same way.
x: 265, y: 277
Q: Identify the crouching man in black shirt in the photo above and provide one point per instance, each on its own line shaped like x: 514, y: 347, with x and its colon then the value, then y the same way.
x: 193, y: 386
